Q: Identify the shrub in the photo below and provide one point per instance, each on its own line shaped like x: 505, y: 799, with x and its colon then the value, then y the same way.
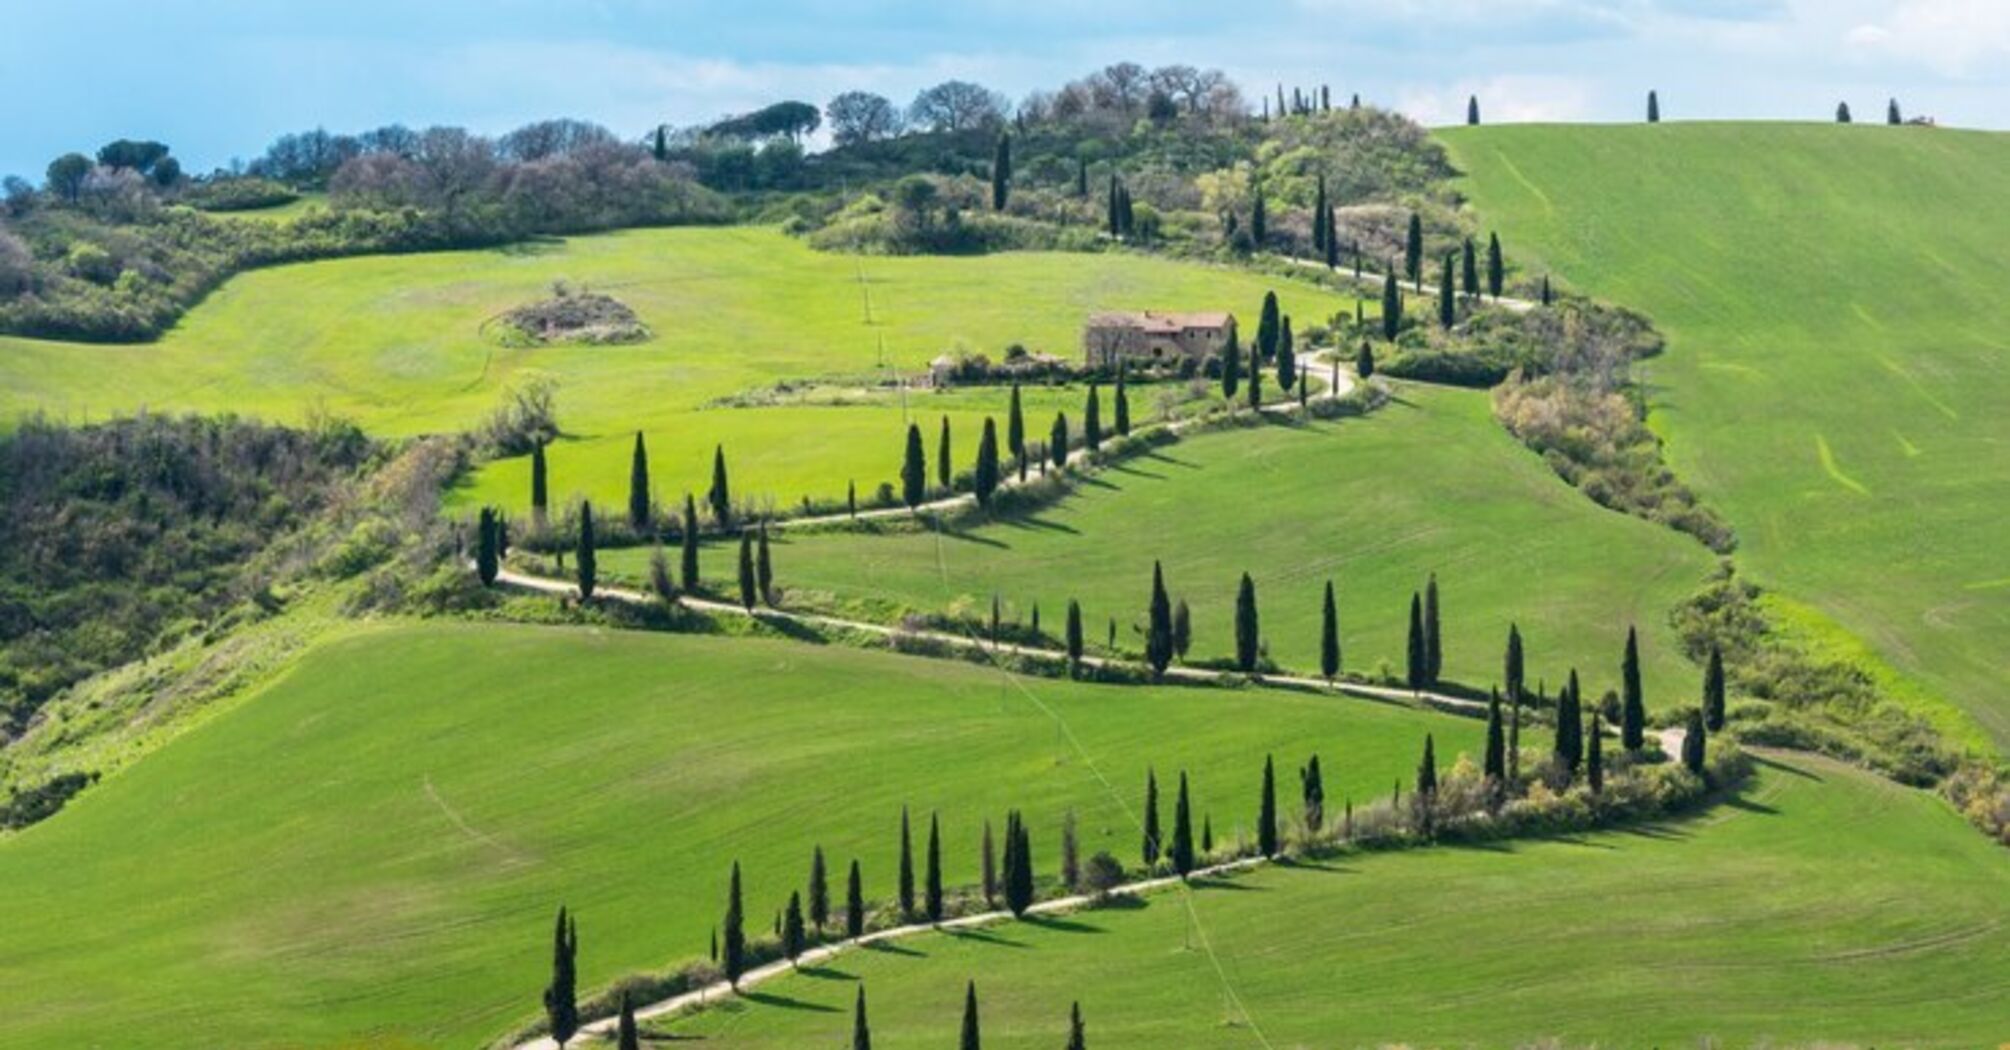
x: 1102, y: 874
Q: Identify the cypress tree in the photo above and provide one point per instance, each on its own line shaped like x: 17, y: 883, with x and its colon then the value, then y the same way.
x: 764, y: 569
x: 1496, y: 266
x: 1116, y: 226
x: 1231, y: 369
x: 990, y: 868
x: 1082, y: 179
x: 539, y: 487
x: 735, y: 943
x: 1182, y: 633
x: 561, y: 996
x: 1329, y: 636
x: 1074, y: 636
x: 1427, y: 783
x: 1018, y: 865
x: 1312, y: 792
x: 1842, y: 113
x: 1653, y: 107
x: 1548, y: 297
x: 1469, y: 274
x: 1266, y: 811
x: 1694, y: 741
x: 1258, y: 224
x: 820, y: 891
x: 1159, y: 632
x: 625, y: 1035
x: 1319, y: 217
x: 1891, y: 114
x: 1332, y: 240
x: 688, y: 545
x: 914, y: 470
x: 984, y: 480
x: 1495, y: 766
x: 1633, y: 710
x: 1472, y: 110
x: 1247, y: 636
x: 1413, y: 252
x: 1713, y: 691
x: 906, y: 868
x: 638, y: 487
x: 1594, y: 753
x: 583, y: 557
x: 1076, y: 1039
x: 1001, y: 173
x: 793, y: 936
x: 1057, y: 440
x: 1015, y: 432
x: 1287, y: 358
x: 970, y: 1040
x: 1448, y: 312
x: 720, y: 496
x: 854, y: 904
x: 1514, y: 675
x: 1206, y: 835
x: 1434, y: 647
x: 487, y: 562
x: 1569, y: 748
x: 1123, y: 403
x: 1268, y: 326
x: 932, y: 885
x: 945, y: 476
x: 1071, y: 855
x: 1152, y: 840
x: 1092, y: 420
x: 1255, y: 383
x: 1392, y: 307
x: 1416, y: 666
x: 661, y: 149
x: 1181, y: 854
x: 861, y: 1032
x: 1364, y: 361
x: 750, y: 594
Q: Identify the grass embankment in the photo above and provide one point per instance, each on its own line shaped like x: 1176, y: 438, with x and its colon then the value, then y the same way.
x: 1836, y: 366
x: 1427, y: 483
x: 396, y: 342
x: 1826, y: 906
x: 371, y: 850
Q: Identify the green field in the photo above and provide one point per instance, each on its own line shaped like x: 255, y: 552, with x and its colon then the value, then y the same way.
x: 1825, y: 907
x: 1428, y: 483
x: 371, y: 850
x: 1837, y: 359
x: 396, y: 343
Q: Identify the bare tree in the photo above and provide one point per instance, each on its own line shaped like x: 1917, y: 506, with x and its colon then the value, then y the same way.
x: 861, y: 116
x: 552, y: 138
x: 453, y: 164
x: 1120, y: 86
x: 957, y: 105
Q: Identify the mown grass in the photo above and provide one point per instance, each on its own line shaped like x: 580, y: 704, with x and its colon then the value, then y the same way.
x: 1836, y: 363
x: 396, y: 342
x: 370, y: 851
x: 1427, y: 484
x: 1826, y: 907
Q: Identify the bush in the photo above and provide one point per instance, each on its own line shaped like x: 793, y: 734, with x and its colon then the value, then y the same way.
x: 239, y: 194
x: 1102, y: 874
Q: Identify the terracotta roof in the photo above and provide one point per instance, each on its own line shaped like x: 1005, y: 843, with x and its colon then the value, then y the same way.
x: 1159, y: 322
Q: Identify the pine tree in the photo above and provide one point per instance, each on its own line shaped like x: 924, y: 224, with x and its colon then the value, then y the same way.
x: 854, y: 904
x: 1015, y: 432
x: 1416, y: 667
x: 487, y: 561
x: 906, y: 868
x: 1364, y: 361
x: 1434, y: 645
x: 1077, y: 1040
x: 990, y: 868
x: 1496, y: 266
x: 1057, y: 440
x: 970, y: 1040
x: 1247, y: 636
x: 914, y: 470
x: 1152, y: 839
x: 1495, y: 766
x: 1392, y: 307
x: 984, y: 480
x: 1448, y: 311
x: 1123, y: 404
x: 764, y: 569
x: 945, y: 470
x: 1092, y: 420
x: 687, y: 539
x: 625, y: 1035
x: 1182, y: 629
x: 1842, y: 113
x: 583, y: 557
x: 861, y: 1032
x: 1001, y: 173
x: 1231, y: 369
x: 561, y: 996
x: 750, y: 594
x: 1891, y: 114
x: 539, y: 484
x: 1653, y: 107
x: 819, y: 892
x: 1258, y: 225
x: 1287, y: 358
x: 1633, y: 710
x: 932, y: 883
x: 1312, y: 792
x: 1713, y: 691
x: 1329, y: 636
x: 638, y: 487
x: 1413, y: 252
x: 1266, y: 812
x: 734, y: 960
x: 1181, y: 854
x: 794, y: 939
x: 720, y: 496
x: 1469, y: 273
x: 1472, y: 110
x: 1594, y: 753
x: 1159, y: 629
x: 1074, y: 636
x: 1694, y: 741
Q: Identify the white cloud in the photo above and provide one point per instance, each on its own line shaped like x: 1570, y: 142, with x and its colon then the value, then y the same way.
x: 1503, y: 100
x: 1952, y: 37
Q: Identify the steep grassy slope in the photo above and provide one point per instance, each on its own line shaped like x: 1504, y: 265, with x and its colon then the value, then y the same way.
x: 397, y: 343
x: 370, y: 852
x: 1827, y: 907
x: 1837, y: 360
x: 1429, y: 483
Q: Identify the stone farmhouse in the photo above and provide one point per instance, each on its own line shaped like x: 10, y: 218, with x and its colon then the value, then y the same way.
x: 1152, y: 335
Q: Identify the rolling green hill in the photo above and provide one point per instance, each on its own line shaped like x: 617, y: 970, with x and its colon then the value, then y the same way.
x: 1826, y: 908
x: 1837, y: 361
x: 370, y: 851
x: 396, y: 343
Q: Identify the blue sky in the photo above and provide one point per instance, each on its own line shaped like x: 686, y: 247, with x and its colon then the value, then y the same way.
x: 217, y: 79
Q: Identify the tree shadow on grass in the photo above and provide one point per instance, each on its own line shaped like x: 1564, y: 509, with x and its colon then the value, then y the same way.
x: 982, y: 935
x: 895, y: 948
x: 826, y: 973
x: 1130, y: 470
x: 1781, y: 767
x: 793, y: 630
x: 783, y: 1002
x: 1062, y: 924
x: 1324, y: 867
x: 1746, y: 805
x: 970, y: 536
x: 1046, y: 524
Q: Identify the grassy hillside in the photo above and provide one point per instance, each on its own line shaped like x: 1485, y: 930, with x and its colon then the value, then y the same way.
x: 396, y: 342
x: 371, y: 850
x: 1837, y: 360
x: 1827, y: 907
x: 1429, y: 483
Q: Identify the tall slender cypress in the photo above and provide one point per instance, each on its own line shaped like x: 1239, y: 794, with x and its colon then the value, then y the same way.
x: 583, y: 556
x: 687, y: 541
x: 854, y: 904
x: 1548, y: 296
x: 1181, y: 854
x: 1496, y: 266
x: 487, y: 558
x: 1248, y: 636
x: 1713, y: 691
x: 1332, y: 240
x: 638, y: 487
x: 1427, y: 783
x: 1015, y: 432
x: 970, y: 1039
x: 1152, y: 839
x: 1392, y: 307
x: 861, y: 1031
x: 1159, y: 630
x: 1269, y: 325
x: 1329, y: 636
x: 1255, y: 383
x: 1472, y: 110
x: 945, y: 469
x: 561, y: 996
x: 1123, y: 403
x: 1001, y: 173
x: 1364, y: 361
x: 932, y: 884
x: 1514, y: 675
x: 1287, y: 358
x: 820, y: 891
x: 1182, y: 629
x: 1312, y: 793
x: 1633, y: 709
x: 1653, y: 107
x: 1019, y: 864
x: 1694, y: 741
x: 989, y: 867
x: 1413, y: 252
x: 906, y: 867
x: 1057, y: 440
x: 1594, y: 753
x: 1416, y: 667
x: 1495, y: 766
x: 1266, y: 811
x: 1569, y: 748
x: 1892, y: 116
x: 1231, y: 369
x: 750, y: 594
x: 1319, y: 217
x: 764, y: 568
x: 734, y: 948
x: 540, y: 489
x: 625, y: 1035
x: 1092, y: 420
x: 1259, y: 226
x: 720, y: 496
x: 794, y: 939
x: 1071, y: 853
x: 914, y: 470
x: 1842, y: 113
x: 1469, y: 273
x: 1082, y: 179
x: 984, y: 479
x: 1434, y: 639
x: 1448, y: 311
x: 1074, y: 636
